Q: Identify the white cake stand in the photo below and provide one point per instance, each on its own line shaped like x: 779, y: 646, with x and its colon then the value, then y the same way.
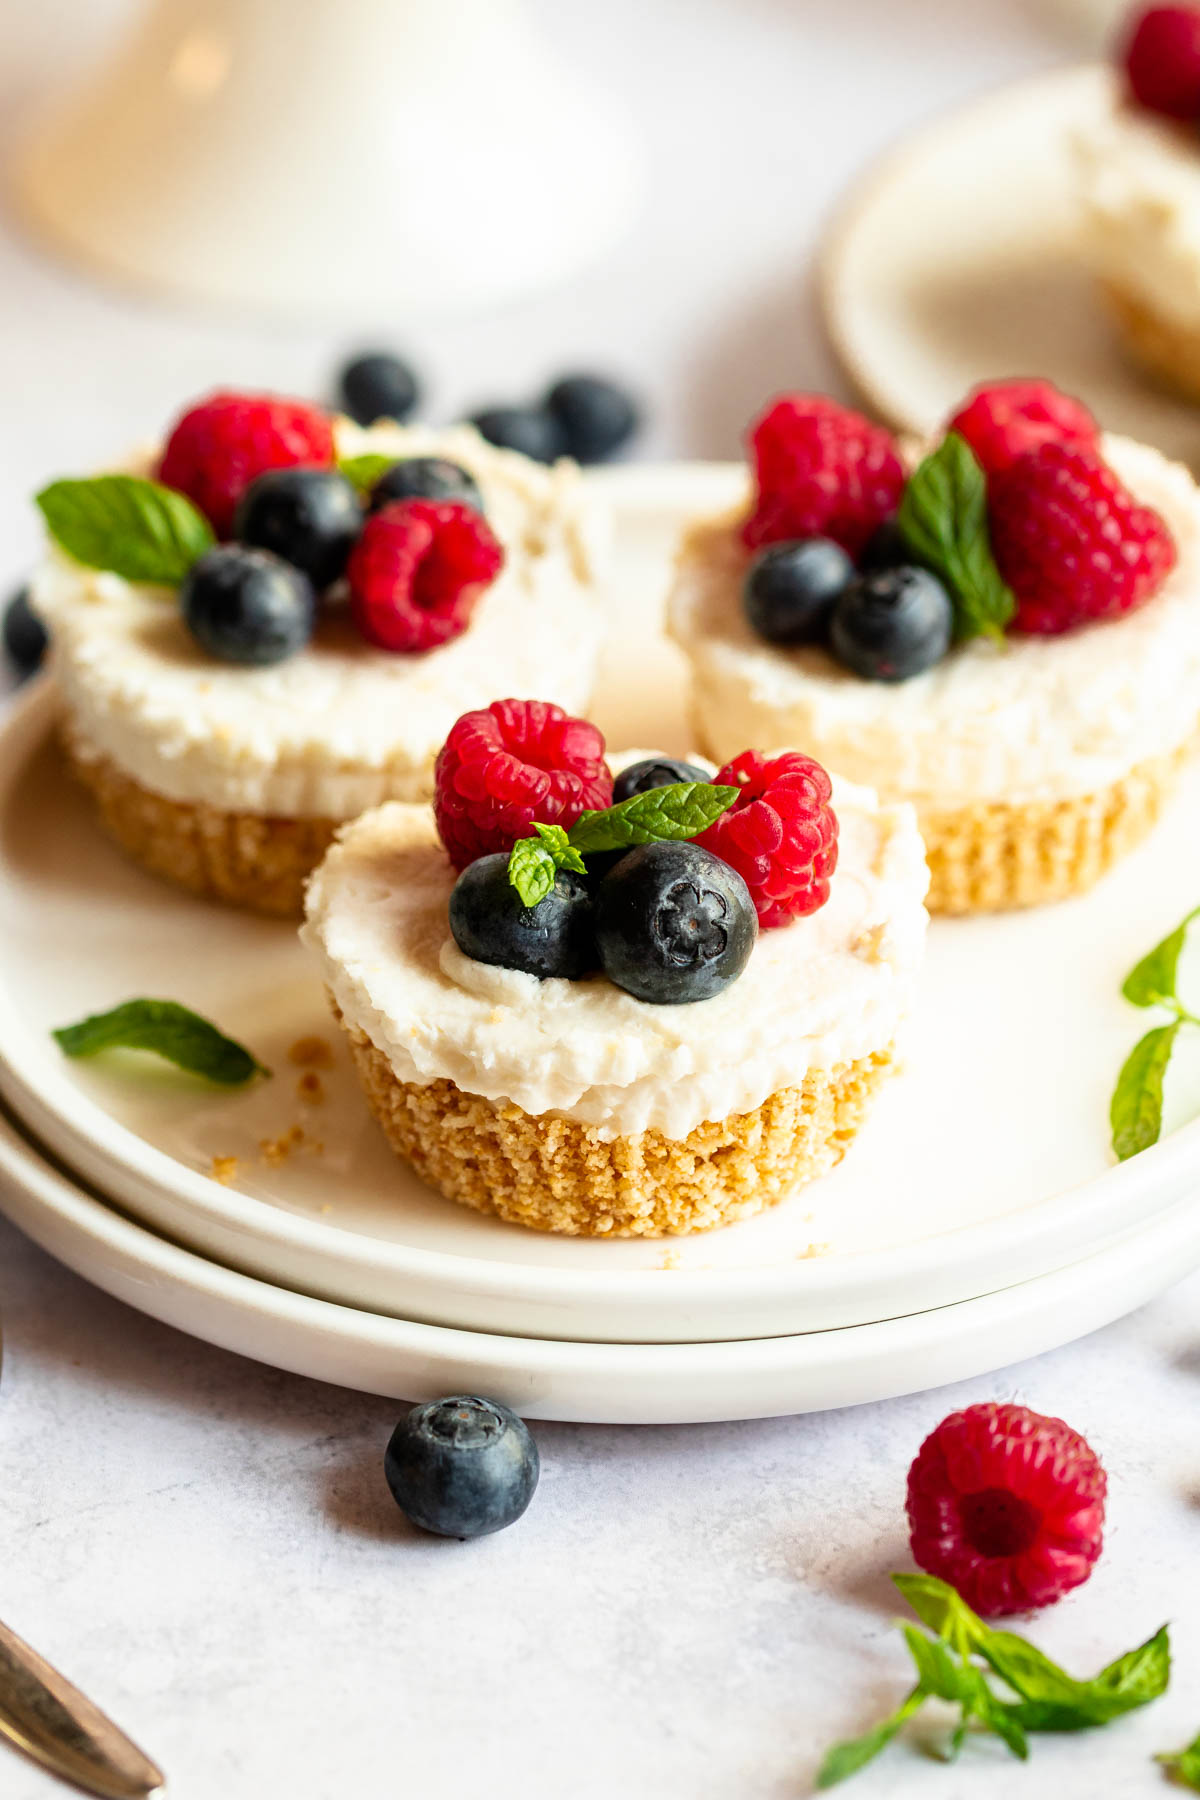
x: 343, y: 156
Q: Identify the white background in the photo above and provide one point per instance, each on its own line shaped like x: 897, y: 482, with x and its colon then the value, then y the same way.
x: 688, y: 1614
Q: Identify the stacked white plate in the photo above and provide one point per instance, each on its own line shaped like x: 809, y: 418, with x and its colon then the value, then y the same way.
x: 978, y: 1219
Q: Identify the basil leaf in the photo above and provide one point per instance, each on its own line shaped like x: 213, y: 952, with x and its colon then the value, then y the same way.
x: 531, y: 870
x: 1135, y: 1112
x: 848, y: 1758
x: 1154, y: 977
x: 364, y: 471
x: 943, y: 519
x: 1184, y: 1764
x: 132, y: 527
x: 561, y: 848
x: 166, y: 1029
x: 682, y: 810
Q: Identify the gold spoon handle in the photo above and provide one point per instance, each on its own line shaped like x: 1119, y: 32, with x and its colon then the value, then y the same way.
x: 42, y: 1714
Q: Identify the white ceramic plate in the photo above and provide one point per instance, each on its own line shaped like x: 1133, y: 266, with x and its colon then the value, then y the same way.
x: 628, y: 1384
x: 957, y: 259
x: 985, y: 1164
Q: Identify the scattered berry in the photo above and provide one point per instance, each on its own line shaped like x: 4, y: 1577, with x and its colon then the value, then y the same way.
x: 310, y: 517
x: 426, y: 478
x: 378, y: 386
x: 596, y: 417
x: 418, y: 571
x: 780, y: 834
x: 822, y: 471
x: 531, y: 430
x: 1007, y: 1506
x: 884, y: 549
x: 1002, y: 419
x: 489, y: 923
x: 509, y: 764
x: 674, y: 923
x: 1161, y: 55
x: 247, y: 606
x: 1072, y: 542
x: 654, y: 772
x: 219, y: 445
x: 893, y: 624
x: 24, y: 636
x: 462, y: 1467
x: 790, y: 588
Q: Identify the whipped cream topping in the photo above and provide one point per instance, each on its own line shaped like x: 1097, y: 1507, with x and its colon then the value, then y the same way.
x: 1139, y: 181
x: 816, y: 993
x: 341, y: 726
x: 1025, y: 720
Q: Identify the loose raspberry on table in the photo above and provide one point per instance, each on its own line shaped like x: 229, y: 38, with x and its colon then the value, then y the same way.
x: 418, y: 570
x: 1161, y: 59
x: 218, y: 447
x: 1072, y: 542
x: 780, y: 834
x: 1002, y: 419
x: 822, y: 471
x: 1007, y: 1506
x: 510, y: 764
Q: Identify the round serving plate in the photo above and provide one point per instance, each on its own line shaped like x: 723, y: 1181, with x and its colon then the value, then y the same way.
x: 958, y: 259
x: 985, y: 1164
x: 544, y: 1378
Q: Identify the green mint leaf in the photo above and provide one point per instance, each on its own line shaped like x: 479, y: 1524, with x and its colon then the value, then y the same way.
x: 848, y: 1758
x: 135, y: 528
x: 961, y: 1682
x: 1134, y: 1679
x: 166, y: 1029
x: 565, y: 855
x: 364, y: 471
x: 531, y: 870
x: 1135, y: 1112
x: 1184, y: 1764
x: 937, y: 1672
x: 943, y: 519
x: 682, y: 810
x: 1154, y: 978
x: 939, y: 1606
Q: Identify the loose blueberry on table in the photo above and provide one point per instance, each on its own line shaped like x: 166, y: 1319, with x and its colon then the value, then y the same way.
x: 597, y: 417
x: 24, y: 636
x: 532, y: 430
x: 462, y: 1467
x: 378, y: 385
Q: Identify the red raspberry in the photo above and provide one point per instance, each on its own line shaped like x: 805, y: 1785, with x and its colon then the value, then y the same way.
x: 1071, y: 542
x: 1007, y: 1506
x: 517, y: 761
x: 1002, y: 419
x: 219, y: 445
x: 1161, y: 55
x: 823, y: 471
x: 780, y: 834
x: 418, y: 570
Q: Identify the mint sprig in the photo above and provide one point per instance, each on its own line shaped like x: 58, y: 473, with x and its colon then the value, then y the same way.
x: 1184, y: 1764
x: 1135, y: 1111
x: 964, y: 1657
x: 364, y: 471
x: 127, y: 525
x: 166, y: 1029
x: 671, y: 814
x: 943, y: 518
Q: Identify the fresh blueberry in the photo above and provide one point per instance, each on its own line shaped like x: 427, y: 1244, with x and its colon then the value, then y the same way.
x: 674, y: 923
x: 490, y: 924
x: 529, y: 429
x: 885, y: 549
x: 309, y: 517
x: 462, y: 1467
x: 654, y: 772
x: 378, y: 385
x: 790, y: 589
x: 24, y: 636
x: 426, y: 478
x: 247, y: 606
x: 892, y: 624
x: 597, y: 417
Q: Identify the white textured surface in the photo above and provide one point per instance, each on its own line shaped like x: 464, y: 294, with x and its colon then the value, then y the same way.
x: 685, y: 1614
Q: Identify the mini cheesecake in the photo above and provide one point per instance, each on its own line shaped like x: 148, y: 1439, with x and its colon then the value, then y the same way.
x: 231, y: 780
x: 1033, y: 761
x: 572, y: 1106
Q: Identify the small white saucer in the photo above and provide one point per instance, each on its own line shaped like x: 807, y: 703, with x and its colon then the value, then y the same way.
x: 957, y: 260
